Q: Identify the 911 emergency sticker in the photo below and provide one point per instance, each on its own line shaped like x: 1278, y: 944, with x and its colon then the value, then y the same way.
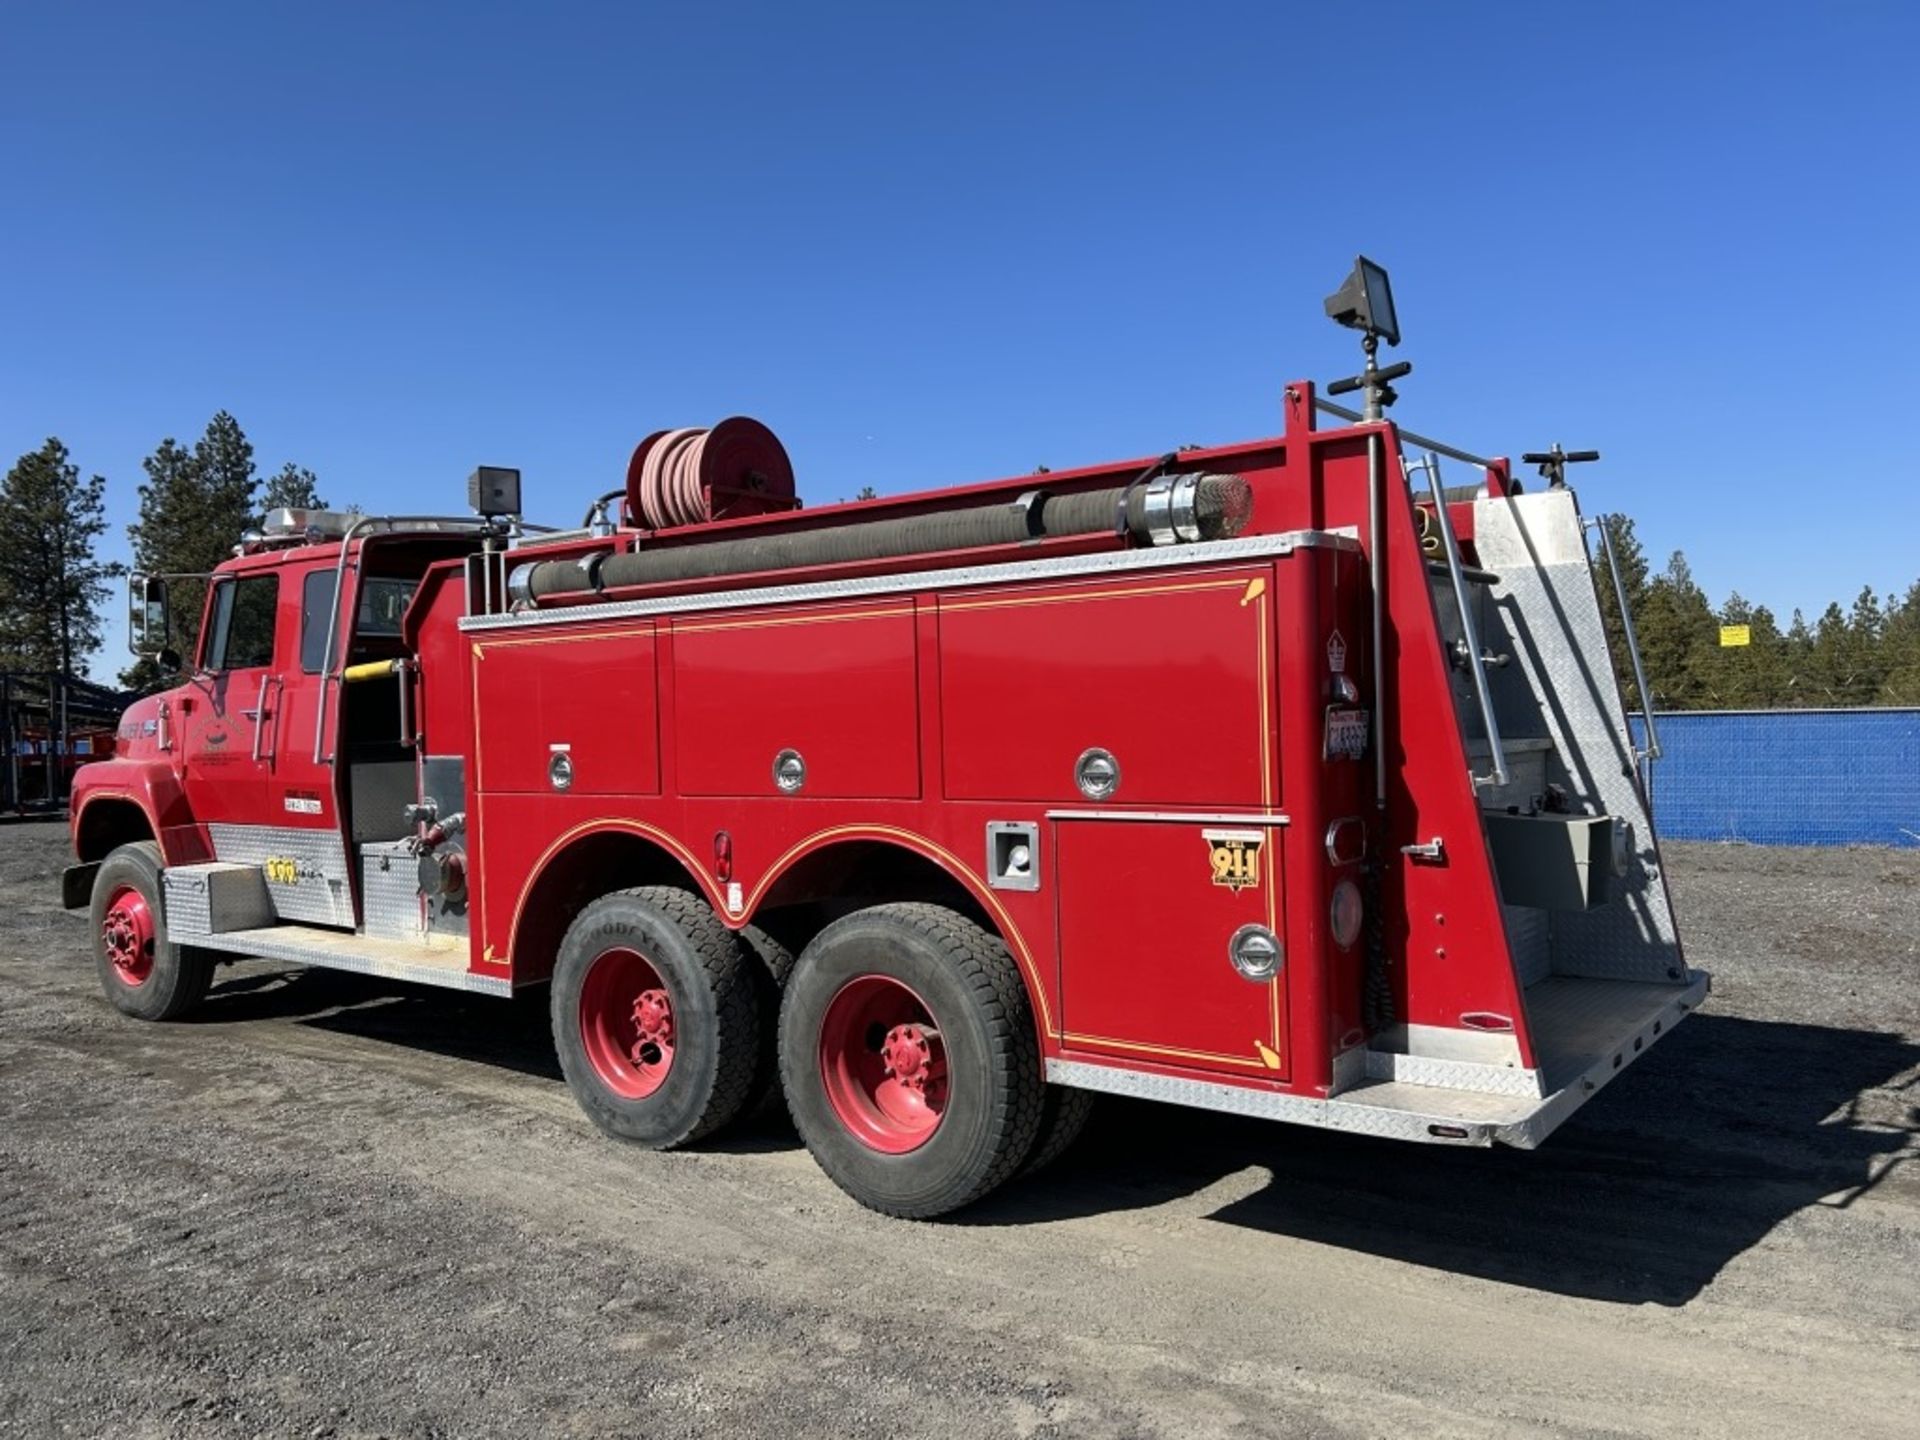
x: 1235, y: 857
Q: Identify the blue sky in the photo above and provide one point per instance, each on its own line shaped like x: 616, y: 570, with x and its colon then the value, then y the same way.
x: 939, y: 246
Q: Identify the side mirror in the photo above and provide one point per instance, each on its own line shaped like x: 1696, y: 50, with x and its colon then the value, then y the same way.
x: 149, y: 621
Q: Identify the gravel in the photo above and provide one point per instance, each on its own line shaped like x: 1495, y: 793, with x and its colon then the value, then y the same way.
x: 335, y: 1207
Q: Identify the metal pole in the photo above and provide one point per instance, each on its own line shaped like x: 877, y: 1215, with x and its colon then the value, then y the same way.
x: 1376, y: 478
x: 1633, y: 641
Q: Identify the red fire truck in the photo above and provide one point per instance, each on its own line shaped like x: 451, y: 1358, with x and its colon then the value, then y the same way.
x: 1279, y: 778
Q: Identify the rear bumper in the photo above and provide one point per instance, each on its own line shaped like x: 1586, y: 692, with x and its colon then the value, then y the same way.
x: 1402, y: 1110
x: 76, y: 885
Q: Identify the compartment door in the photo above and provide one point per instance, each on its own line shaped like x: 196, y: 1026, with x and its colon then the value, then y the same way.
x: 1148, y: 909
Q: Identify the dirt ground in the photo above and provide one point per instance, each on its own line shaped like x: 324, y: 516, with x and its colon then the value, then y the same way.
x: 335, y: 1207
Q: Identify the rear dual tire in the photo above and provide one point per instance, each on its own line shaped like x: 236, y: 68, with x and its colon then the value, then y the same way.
x: 906, y: 1047
x: 909, y: 1060
x: 657, y: 1017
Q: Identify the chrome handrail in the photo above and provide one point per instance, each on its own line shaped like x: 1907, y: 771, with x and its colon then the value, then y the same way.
x: 1466, y: 457
x: 1482, y: 691
x: 1652, y: 752
x: 391, y: 525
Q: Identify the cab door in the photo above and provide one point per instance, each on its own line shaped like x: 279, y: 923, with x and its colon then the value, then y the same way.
x: 302, y: 831
x: 300, y: 789
x: 249, y: 777
x: 223, y: 769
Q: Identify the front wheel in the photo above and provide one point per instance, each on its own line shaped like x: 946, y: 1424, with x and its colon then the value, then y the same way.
x: 143, y: 973
x: 909, y: 1060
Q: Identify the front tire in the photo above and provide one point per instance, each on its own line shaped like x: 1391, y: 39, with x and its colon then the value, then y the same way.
x: 656, y: 1017
x: 909, y: 1059
x: 143, y: 973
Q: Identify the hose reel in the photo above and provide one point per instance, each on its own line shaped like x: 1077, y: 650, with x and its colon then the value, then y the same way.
x: 690, y: 476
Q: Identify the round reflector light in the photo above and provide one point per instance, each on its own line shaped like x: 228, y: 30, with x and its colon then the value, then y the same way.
x: 1345, y: 913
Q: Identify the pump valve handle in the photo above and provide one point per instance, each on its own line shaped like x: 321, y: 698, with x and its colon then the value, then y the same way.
x: 1382, y: 376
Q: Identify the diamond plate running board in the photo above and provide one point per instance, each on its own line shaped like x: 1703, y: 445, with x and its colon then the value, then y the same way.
x: 442, y: 965
x: 1396, y: 1110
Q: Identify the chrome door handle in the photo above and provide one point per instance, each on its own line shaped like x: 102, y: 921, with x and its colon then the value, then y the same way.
x: 259, y: 705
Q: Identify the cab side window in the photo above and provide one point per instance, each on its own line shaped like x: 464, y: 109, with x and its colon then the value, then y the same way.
x: 316, y: 615
x: 243, y: 619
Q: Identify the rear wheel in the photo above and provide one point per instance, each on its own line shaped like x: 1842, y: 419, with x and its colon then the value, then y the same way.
x: 772, y: 963
x: 908, y: 1057
x: 143, y: 973
x: 1063, y: 1116
x: 656, y: 1017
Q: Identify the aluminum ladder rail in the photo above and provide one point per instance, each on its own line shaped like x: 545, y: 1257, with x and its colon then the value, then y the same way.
x: 1652, y: 751
x: 1469, y: 628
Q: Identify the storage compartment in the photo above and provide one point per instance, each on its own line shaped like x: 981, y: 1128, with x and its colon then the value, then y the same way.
x: 830, y: 698
x: 590, y: 698
x: 1553, y: 862
x: 390, y: 890
x: 1165, y: 674
x: 213, y: 899
x: 1149, y: 911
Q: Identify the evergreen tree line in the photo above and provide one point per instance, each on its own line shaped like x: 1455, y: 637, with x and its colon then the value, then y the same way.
x: 194, y: 505
x: 1866, y: 655
x: 197, y: 500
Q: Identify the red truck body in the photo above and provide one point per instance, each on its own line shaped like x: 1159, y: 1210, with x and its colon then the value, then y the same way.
x: 1460, y: 958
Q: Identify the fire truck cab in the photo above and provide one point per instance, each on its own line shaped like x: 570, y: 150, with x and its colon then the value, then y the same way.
x: 1280, y: 778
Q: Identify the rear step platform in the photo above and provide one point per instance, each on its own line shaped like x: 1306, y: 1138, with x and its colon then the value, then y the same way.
x: 1585, y: 1033
x: 443, y: 964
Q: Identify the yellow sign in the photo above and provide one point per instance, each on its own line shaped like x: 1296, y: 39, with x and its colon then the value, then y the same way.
x: 281, y: 870
x: 1736, y: 635
x: 1235, y: 857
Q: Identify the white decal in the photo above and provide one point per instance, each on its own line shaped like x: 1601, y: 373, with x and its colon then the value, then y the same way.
x: 1336, y: 653
x: 303, y: 805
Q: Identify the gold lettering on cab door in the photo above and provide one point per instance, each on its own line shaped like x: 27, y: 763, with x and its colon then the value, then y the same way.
x: 1235, y: 857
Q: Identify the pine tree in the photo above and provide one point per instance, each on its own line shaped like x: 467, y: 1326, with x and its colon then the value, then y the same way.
x: 1866, y: 626
x: 1633, y: 577
x: 1830, y: 667
x: 1767, y: 669
x: 223, y: 461
x: 293, y: 486
x: 193, y: 509
x: 1678, y: 635
x: 1799, y: 657
x: 1900, y: 650
x: 52, y: 585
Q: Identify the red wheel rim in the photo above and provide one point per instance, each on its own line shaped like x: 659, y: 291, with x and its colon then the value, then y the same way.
x: 884, y: 1064
x: 626, y: 1024
x: 127, y: 935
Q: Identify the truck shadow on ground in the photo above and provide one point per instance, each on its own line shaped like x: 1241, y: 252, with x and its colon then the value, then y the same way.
x: 1686, y: 1161
x: 1729, y: 1128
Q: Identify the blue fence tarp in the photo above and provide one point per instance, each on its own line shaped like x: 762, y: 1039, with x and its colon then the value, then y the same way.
x: 1788, y: 777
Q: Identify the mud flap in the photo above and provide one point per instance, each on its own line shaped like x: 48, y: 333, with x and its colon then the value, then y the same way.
x: 76, y: 885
